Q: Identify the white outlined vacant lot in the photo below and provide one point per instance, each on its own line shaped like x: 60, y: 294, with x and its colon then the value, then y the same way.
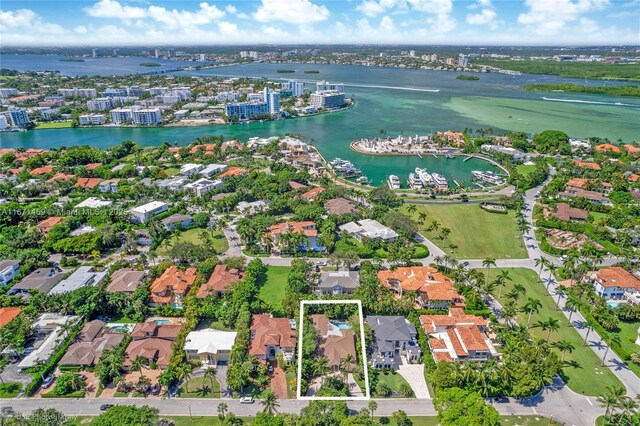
x: 367, y: 394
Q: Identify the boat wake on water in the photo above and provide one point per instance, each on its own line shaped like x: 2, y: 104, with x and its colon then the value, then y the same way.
x: 578, y: 101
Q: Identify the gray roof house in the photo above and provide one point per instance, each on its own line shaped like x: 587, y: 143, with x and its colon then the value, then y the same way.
x: 338, y: 282
x: 177, y: 220
x: 8, y: 270
x: 394, y: 338
x: 369, y: 228
x: 43, y: 280
x: 82, y: 277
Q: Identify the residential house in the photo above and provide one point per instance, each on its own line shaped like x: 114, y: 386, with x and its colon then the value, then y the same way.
x: 153, y: 342
x: 45, y: 225
x: 175, y: 183
x: 453, y: 138
x: 338, y: 282
x: 110, y: 185
x: 213, y: 169
x: 295, y: 185
x: 190, y: 169
x: 615, y: 283
x: 8, y: 270
x: 209, y: 346
x: 172, y: 286
x: 334, y: 343
x: 202, y: 186
x: 83, y: 276
x: 125, y: 281
x: 41, y: 170
x: 593, y: 196
x: 277, y: 234
x: 206, y: 149
x: 567, y: 213
x: 632, y: 150
x: 586, y: 165
x: 458, y: 337
x: 577, y: 184
x: 60, y: 177
x: 607, y: 147
x: 233, y: 171
x: 255, y: 207
x: 93, y: 203
x: 93, y: 339
x: 143, y: 213
x: 8, y: 314
x: 339, y: 206
x: 433, y: 290
x: 369, y: 228
x: 313, y: 193
x: 394, y: 337
x: 42, y: 279
x: 177, y: 221
x: 87, y: 183
x: 220, y: 281
x: 50, y: 330
x: 271, y: 336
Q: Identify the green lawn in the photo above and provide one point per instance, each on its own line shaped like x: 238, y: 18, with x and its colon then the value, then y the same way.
x: 272, y: 292
x: 525, y: 169
x: 586, y: 377
x: 57, y: 125
x: 171, y: 171
x: 220, y: 243
x: 420, y: 251
x: 10, y: 390
x: 476, y: 233
x: 393, y: 381
x: 628, y: 334
x: 199, y: 387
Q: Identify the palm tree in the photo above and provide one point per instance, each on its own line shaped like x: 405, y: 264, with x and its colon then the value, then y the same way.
x: 422, y: 216
x: 560, y: 291
x: 563, y: 346
x: 270, y: 402
x: 412, y: 208
x: 222, y: 410
x: 590, y: 325
x: 551, y: 324
x: 611, y: 398
x: 614, y: 339
x: 210, y: 373
x: 137, y: 364
x: 532, y: 305
x: 372, y: 406
x: 488, y: 263
x: 321, y: 367
x: 572, y: 305
x: 542, y: 262
x: 346, y: 363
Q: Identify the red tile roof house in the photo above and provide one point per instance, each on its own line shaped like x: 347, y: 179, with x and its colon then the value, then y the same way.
x: 45, y: 226
x: 220, y: 281
x: 458, y: 337
x: 270, y: 336
x: 313, y: 193
x: 615, y: 283
x: 275, y: 236
x: 567, y: 213
x: 88, y: 183
x: 586, y: 165
x: 575, y: 184
x: 92, y: 340
x: 333, y: 343
x: 152, y: 341
x: 172, y: 286
x: 125, y: 281
x: 433, y: 289
x: 41, y: 171
x: 633, y: 151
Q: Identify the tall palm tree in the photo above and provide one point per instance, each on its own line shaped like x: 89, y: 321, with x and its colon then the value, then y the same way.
x: 372, y: 407
x: 611, y: 398
x: 614, y: 339
x: 137, y: 364
x: 551, y: 324
x: 560, y: 291
x: 346, y: 363
x: 411, y: 208
x: 210, y: 373
x: 542, y: 262
x: 572, y: 305
x: 488, y: 263
x: 222, y: 410
x: 563, y: 346
x: 270, y: 402
x: 532, y: 305
x: 321, y: 367
x: 590, y: 325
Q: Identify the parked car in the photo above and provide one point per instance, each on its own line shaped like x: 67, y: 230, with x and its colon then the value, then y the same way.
x: 82, y: 377
x: 270, y: 368
x: 105, y: 407
x: 246, y: 400
x: 47, y: 381
x: 155, y: 389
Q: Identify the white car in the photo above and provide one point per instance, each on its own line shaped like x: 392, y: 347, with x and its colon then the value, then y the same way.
x: 246, y: 400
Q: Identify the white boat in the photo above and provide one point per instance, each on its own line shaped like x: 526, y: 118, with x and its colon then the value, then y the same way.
x: 393, y: 181
x: 363, y: 180
x: 426, y: 178
x: 487, y: 176
x: 414, y: 181
x: 440, y: 181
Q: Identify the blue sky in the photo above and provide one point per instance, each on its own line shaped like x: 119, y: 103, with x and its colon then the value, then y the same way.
x: 144, y: 22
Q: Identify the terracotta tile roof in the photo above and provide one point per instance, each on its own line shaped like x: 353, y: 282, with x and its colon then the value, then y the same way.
x: 16, y: 171
x: 435, y: 343
x: 442, y: 356
x: 339, y: 206
x: 293, y: 228
x: 41, y: 170
x: 153, y: 342
x: 631, y: 149
x: 313, y: 193
x: 607, y: 147
x: 172, y: 281
x: 295, y: 185
x: 8, y: 314
x: 586, y: 165
x: 92, y: 166
x: 60, y: 176
x: 89, y: 183
x: 565, y: 212
x: 633, y: 177
x: 336, y: 348
x: 90, y: 343
x: 455, y: 342
x: 584, y: 183
x: 219, y: 281
x: 206, y: 148
x: 233, y: 171
x: 144, y: 330
x: 423, y: 279
x: 617, y: 276
x: 266, y: 330
x: 471, y: 338
x: 47, y: 224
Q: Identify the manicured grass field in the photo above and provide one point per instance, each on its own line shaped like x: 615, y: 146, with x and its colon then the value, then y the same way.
x: 628, y: 334
x: 393, y: 381
x: 10, y: 390
x: 476, y: 233
x: 587, y: 377
x: 272, y: 292
x: 220, y: 243
x: 525, y: 169
x: 57, y: 125
x: 199, y: 387
x: 171, y: 171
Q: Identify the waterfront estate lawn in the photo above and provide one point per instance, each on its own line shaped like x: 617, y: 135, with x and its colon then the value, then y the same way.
x: 525, y: 169
x: 199, y: 387
x: 56, y: 125
x: 585, y: 376
x: 393, y: 382
x: 220, y: 244
x: 272, y: 292
x: 476, y: 233
x: 628, y: 334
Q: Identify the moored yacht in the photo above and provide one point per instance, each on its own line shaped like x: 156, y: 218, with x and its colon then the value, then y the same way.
x: 440, y: 181
x: 393, y: 181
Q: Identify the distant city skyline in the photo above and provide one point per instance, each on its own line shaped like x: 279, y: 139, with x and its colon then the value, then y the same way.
x: 473, y: 22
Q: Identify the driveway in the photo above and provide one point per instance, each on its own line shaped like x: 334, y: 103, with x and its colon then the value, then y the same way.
x: 221, y: 375
x: 414, y: 375
x: 12, y: 374
x: 279, y: 383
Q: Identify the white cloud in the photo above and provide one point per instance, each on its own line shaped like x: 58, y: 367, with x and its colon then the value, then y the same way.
x: 549, y: 17
x: 81, y: 29
x: 438, y: 7
x: 291, y: 11
x: 113, y: 9
x: 486, y: 15
x: 27, y: 20
x: 231, y: 9
x: 442, y: 21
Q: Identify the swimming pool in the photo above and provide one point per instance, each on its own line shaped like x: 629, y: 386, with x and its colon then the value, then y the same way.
x: 121, y: 328
x: 162, y: 321
x: 342, y: 325
x: 613, y: 304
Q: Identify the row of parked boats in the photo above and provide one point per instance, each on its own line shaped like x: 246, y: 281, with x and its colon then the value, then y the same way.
x: 421, y: 179
x: 346, y: 169
x: 487, y: 176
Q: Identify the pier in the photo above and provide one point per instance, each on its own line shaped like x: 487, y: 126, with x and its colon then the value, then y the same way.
x: 467, y: 159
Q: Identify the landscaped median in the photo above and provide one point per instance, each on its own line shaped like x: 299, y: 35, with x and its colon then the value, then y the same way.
x: 582, y: 370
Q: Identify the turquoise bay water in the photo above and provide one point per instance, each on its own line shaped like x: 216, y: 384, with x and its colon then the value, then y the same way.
x: 390, y: 99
